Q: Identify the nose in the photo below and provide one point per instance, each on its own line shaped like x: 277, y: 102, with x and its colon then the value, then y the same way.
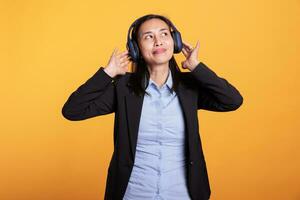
x: 157, y: 41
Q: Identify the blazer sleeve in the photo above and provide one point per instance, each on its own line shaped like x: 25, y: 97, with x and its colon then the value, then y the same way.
x: 95, y: 97
x: 215, y: 93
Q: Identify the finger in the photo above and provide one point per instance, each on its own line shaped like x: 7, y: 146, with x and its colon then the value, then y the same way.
x: 124, y: 58
x: 187, y: 49
x: 122, y: 54
x: 124, y: 63
x: 185, y: 53
x: 196, y: 50
x: 187, y: 45
x: 115, y: 51
x: 190, y: 48
x: 197, y: 45
x: 183, y: 65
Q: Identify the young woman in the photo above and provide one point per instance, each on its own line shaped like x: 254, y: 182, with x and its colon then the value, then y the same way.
x: 157, y: 146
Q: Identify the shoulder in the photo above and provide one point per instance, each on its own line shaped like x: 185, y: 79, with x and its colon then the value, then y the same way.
x: 188, y: 80
x: 122, y: 80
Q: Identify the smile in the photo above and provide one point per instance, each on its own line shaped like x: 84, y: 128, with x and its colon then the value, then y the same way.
x: 159, y: 51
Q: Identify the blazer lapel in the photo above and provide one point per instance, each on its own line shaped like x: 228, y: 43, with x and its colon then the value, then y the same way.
x: 188, y: 100
x: 134, y: 106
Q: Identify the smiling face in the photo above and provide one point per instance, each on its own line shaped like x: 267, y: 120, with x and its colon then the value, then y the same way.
x: 155, y: 42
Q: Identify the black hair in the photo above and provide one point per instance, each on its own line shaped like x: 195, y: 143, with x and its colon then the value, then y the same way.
x: 139, y: 68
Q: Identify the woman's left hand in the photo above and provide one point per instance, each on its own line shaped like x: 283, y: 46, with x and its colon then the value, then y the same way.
x: 191, y: 55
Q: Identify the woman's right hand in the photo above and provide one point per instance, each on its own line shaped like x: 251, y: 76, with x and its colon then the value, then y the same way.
x: 118, y: 63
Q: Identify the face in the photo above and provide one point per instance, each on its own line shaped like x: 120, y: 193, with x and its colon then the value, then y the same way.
x: 155, y: 42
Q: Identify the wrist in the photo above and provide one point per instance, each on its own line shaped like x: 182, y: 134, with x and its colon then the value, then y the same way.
x: 108, y: 71
x: 194, y: 65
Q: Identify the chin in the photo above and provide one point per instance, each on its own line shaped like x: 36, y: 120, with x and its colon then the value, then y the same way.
x: 162, y: 59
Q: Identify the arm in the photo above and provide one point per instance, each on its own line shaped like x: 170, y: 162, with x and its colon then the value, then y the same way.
x: 95, y: 97
x: 215, y: 93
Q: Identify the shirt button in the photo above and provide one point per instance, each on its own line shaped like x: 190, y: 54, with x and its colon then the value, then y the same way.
x: 159, y: 143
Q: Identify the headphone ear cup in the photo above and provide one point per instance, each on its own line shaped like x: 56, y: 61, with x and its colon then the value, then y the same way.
x: 136, y: 50
x: 133, y: 50
x: 177, y: 41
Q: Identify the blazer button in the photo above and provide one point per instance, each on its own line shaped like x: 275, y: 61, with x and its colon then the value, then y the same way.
x: 191, y: 162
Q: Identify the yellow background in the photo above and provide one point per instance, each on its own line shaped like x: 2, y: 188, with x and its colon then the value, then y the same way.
x: 49, y: 48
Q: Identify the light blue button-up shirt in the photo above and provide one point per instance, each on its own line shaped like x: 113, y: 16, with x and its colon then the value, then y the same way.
x: 159, y: 170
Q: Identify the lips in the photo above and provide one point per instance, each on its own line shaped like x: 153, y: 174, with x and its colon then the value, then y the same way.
x: 160, y: 50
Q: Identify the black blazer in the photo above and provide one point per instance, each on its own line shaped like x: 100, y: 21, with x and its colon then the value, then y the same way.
x: 199, y: 89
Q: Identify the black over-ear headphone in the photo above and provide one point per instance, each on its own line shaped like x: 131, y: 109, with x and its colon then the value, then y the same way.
x: 133, y: 48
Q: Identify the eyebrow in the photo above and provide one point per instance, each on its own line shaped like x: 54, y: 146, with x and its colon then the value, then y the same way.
x: 151, y: 32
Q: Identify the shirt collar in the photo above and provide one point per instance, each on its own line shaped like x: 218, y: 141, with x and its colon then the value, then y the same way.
x: 169, y: 81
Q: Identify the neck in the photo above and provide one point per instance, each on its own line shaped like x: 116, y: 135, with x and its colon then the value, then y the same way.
x: 159, y: 73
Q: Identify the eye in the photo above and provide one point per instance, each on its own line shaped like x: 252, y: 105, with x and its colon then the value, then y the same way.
x: 147, y: 36
x: 165, y: 33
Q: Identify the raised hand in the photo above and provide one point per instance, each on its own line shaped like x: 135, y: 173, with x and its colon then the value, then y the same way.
x: 191, y: 55
x: 118, y: 63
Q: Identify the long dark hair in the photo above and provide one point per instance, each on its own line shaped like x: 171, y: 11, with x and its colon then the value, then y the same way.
x: 139, y: 68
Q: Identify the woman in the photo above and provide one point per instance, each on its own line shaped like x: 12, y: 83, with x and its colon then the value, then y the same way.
x: 157, y: 146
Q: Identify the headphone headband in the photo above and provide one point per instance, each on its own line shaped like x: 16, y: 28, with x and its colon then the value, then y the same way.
x: 129, y: 35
